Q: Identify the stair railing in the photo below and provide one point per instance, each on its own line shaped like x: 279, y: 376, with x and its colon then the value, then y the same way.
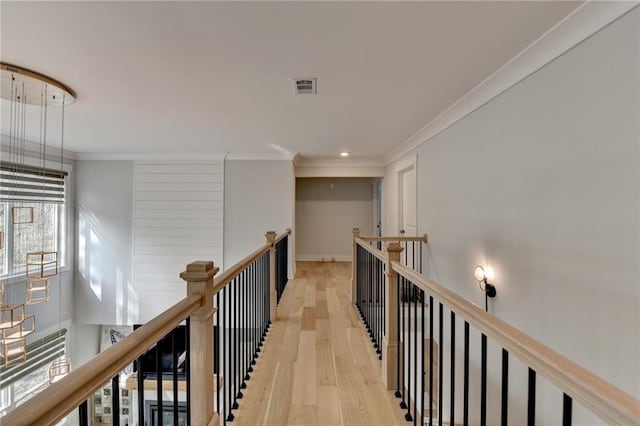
x: 226, y: 321
x: 398, y: 305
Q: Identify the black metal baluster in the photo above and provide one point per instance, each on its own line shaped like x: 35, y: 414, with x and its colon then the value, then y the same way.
x: 223, y: 330
x: 187, y: 366
x: 263, y: 304
x: 420, y: 263
x: 422, y: 372
x: 383, y: 270
x: 415, y: 356
x: 567, y: 409
x: 465, y: 421
x: 376, y: 284
x: 505, y: 388
x: 266, y: 268
x: 531, y: 399
x: 237, y: 377
x: 218, y: 358
x: 407, y: 416
x: 159, y: 381
x: 483, y: 382
x: 258, y: 263
x: 227, y: 346
x: 368, y: 294
x: 174, y: 354
x: 254, y: 314
x: 260, y: 302
x: 247, y: 325
x: 368, y: 290
x: 83, y: 414
x: 453, y: 368
x: 440, y: 362
x: 378, y: 307
x: 233, y: 356
x: 243, y: 326
x: 403, y: 404
x: 115, y: 401
x: 140, y: 389
x: 256, y: 280
x: 400, y: 281
x: 431, y: 360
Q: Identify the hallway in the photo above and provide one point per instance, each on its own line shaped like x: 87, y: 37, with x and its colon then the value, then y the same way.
x: 318, y: 365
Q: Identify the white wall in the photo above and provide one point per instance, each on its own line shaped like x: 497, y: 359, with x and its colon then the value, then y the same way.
x: 104, y: 221
x: 257, y: 198
x: 178, y: 213
x: 543, y: 184
x: 327, y: 209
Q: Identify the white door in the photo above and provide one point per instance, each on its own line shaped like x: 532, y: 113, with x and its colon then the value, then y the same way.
x: 407, y: 203
x: 408, y: 226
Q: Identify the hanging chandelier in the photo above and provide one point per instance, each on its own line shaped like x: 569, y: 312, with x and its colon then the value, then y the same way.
x: 27, y: 177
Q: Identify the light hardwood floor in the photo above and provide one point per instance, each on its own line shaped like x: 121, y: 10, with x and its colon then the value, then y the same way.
x: 318, y: 366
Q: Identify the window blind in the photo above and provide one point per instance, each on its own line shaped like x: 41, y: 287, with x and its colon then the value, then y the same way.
x: 39, y: 353
x: 24, y: 183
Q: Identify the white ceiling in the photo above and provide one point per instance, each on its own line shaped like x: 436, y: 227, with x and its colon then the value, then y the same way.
x: 215, y: 77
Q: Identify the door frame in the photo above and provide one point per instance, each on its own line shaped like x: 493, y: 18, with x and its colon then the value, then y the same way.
x: 401, y: 167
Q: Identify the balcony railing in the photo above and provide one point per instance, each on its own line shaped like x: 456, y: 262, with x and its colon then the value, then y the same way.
x: 404, y: 312
x: 225, y: 319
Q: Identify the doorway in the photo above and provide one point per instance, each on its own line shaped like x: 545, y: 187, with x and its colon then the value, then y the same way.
x: 407, y: 206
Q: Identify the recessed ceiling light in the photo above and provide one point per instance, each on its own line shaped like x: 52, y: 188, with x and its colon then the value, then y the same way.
x: 344, y: 154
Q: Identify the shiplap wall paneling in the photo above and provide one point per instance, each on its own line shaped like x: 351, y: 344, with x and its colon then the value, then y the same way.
x: 178, y: 211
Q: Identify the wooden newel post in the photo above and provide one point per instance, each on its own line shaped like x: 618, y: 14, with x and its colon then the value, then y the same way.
x: 390, y: 342
x: 354, y: 266
x: 271, y: 239
x: 199, y: 278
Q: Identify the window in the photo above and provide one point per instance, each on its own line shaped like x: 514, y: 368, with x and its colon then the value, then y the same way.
x: 22, y: 238
x: 35, y: 197
x: 21, y: 382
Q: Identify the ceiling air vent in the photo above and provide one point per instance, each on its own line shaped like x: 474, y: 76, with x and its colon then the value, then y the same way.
x: 305, y: 86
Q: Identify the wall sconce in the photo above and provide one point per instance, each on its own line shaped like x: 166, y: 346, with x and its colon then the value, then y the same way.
x: 483, y: 276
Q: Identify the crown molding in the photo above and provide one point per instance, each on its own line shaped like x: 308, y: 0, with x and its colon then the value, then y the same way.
x: 581, y: 24
x: 262, y: 156
x: 338, y: 162
x: 33, y: 149
x: 334, y: 168
x: 182, y: 156
x: 149, y: 156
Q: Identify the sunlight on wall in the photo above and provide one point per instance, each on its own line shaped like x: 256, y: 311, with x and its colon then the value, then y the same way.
x: 95, y: 275
x: 82, y: 246
x: 120, y: 302
x: 133, y: 310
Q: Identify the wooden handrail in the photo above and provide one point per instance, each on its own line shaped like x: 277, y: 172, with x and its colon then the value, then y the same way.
x: 229, y: 274
x: 371, y: 249
x: 281, y: 236
x: 59, y: 399
x: 424, y: 238
x: 608, y: 402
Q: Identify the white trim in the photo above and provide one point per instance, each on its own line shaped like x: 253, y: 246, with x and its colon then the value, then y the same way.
x: 33, y: 149
x: 150, y: 156
x: 48, y: 164
x: 261, y: 156
x: 573, y: 29
x: 322, y: 258
x: 330, y: 162
x: 410, y: 162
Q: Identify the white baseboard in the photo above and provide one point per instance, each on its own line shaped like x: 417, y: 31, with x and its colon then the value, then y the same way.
x: 322, y: 258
